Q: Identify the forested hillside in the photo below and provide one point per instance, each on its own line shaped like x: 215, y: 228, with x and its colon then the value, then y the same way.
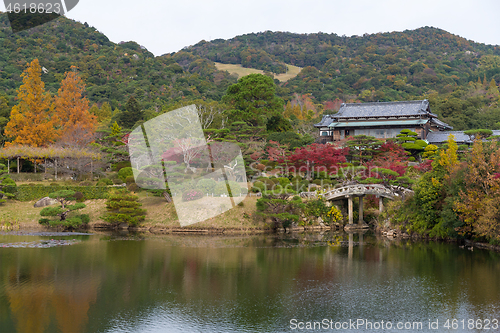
x: 112, y: 72
x: 459, y: 77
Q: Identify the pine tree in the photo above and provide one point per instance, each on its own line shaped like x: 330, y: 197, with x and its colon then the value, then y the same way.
x: 116, y: 129
x: 64, y: 197
x: 5, y: 180
x: 132, y: 113
x: 32, y: 121
x: 123, y: 207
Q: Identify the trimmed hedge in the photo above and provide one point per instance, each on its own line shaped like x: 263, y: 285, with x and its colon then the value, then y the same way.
x: 29, y: 193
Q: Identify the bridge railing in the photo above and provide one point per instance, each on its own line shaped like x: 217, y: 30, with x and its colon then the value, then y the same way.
x: 358, y: 189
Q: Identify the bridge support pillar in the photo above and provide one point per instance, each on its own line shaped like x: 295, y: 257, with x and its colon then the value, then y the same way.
x: 380, y: 204
x: 349, y: 204
x: 360, y: 220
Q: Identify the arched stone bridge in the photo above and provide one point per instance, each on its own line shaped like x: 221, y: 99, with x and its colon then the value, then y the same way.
x: 360, y: 190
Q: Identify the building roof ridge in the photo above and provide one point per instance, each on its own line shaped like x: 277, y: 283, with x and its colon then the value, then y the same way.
x: 391, y: 102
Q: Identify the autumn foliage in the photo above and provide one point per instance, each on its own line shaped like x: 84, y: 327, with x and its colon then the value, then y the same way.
x: 39, y: 120
x: 32, y: 121
x: 72, y: 110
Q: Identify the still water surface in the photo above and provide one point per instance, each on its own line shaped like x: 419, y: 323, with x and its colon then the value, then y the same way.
x: 134, y: 283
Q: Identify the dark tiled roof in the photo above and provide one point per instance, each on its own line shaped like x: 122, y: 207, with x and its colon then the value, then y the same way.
x: 327, y: 120
x: 441, y: 124
x: 442, y: 136
x: 384, y: 109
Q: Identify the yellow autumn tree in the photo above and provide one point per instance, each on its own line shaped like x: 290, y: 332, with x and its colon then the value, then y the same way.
x: 77, y: 124
x: 32, y: 121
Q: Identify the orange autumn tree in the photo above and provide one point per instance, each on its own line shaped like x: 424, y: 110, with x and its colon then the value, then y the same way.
x: 32, y: 121
x: 72, y: 108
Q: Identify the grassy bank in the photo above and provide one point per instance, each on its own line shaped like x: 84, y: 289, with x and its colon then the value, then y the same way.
x: 160, y: 215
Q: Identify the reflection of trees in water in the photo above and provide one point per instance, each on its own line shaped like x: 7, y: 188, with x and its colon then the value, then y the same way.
x: 246, y: 280
x: 41, y: 292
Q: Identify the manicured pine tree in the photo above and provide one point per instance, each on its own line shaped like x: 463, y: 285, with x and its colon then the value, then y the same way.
x: 64, y: 197
x: 123, y: 207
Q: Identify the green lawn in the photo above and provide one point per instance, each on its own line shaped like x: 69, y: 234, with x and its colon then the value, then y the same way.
x: 242, y: 71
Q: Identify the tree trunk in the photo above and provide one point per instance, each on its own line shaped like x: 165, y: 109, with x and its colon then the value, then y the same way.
x: 18, y: 165
x: 167, y: 196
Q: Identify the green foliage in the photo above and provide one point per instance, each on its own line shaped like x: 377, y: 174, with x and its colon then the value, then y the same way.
x: 280, y: 211
x: 292, y: 139
x: 253, y: 99
x: 79, y: 197
x: 7, y: 185
x: 206, y: 185
x: 478, y: 133
x: 29, y: 193
x: 64, y: 197
x: 104, y: 182
x: 278, y: 123
x: 124, y: 173
x: 123, y: 207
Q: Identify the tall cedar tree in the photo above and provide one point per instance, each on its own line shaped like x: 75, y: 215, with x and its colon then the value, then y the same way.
x: 132, y: 113
x: 77, y: 123
x: 32, y: 121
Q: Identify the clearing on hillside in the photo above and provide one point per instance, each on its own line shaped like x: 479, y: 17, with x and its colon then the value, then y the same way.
x: 242, y: 71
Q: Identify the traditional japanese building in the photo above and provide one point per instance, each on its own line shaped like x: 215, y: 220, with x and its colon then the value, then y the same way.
x: 382, y: 120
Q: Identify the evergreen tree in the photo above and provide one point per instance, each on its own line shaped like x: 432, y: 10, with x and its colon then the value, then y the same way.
x: 5, y: 180
x: 132, y: 114
x: 64, y: 197
x: 123, y: 207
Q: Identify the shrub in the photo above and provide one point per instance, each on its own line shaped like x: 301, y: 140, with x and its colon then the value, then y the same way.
x: 130, y: 180
x: 258, y: 187
x: 124, y: 173
x: 123, y: 207
x: 133, y: 187
x: 28, y: 193
x: 64, y: 197
x: 191, y: 195
x: 244, y: 190
x: 120, y: 165
x: 55, y: 184
x: 207, y: 185
x: 85, y: 183
x: 283, y: 181
x: 321, y: 175
x: 79, y: 197
x: 220, y: 188
x: 317, y: 182
x: 104, y: 182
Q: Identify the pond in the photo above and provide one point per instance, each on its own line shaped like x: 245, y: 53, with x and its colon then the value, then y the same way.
x: 267, y: 283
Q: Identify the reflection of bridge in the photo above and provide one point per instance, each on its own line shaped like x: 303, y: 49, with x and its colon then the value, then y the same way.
x: 360, y: 190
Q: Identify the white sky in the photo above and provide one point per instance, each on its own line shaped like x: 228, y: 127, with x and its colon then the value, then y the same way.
x: 168, y: 26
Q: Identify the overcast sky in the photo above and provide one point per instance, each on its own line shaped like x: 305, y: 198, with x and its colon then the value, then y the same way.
x: 168, y: 26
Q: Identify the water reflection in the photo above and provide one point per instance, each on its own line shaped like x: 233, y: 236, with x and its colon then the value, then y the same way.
x: 226, y: 284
